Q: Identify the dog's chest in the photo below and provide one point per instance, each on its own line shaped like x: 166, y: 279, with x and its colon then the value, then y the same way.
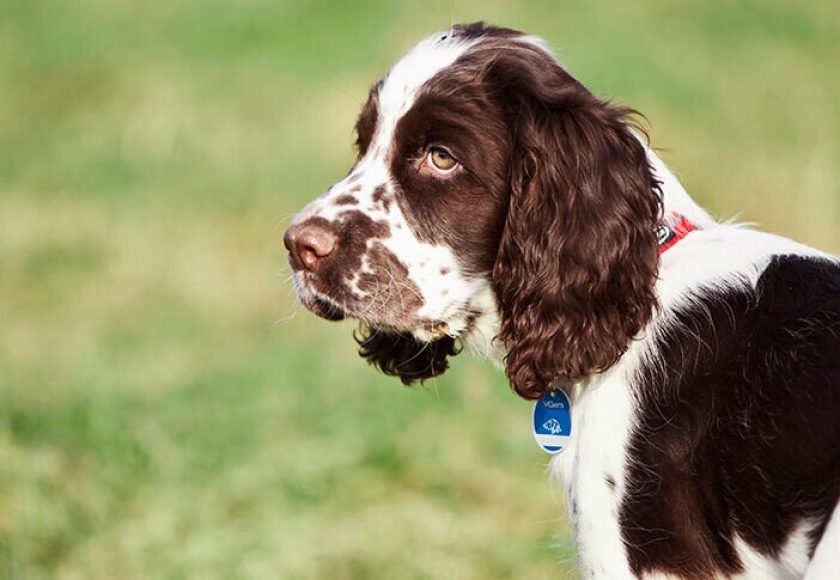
x: 592, y: 470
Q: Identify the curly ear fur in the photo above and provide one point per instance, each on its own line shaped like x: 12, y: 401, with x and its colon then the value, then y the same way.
x: 578, y: 257
x: 403, y: 356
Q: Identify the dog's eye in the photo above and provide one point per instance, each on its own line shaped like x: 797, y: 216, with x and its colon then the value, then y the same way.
x: 441, y: 159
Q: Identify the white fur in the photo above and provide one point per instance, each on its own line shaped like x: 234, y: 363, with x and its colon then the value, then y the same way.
x: 825, y: 563
x: 757, y: 566
x: 791, y: 562
x: 407, y: 77
x: 481, y: 338
x: 602, y: 419
x: 793, y: 557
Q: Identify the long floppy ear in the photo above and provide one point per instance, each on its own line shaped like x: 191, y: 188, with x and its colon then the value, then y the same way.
x: 578, y: 258
x: 403, y: 356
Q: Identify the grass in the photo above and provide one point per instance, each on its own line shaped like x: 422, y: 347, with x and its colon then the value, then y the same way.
x: 167, y: 411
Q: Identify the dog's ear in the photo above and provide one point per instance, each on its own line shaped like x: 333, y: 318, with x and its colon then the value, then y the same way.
x: 578, y: 257
x: 401, y: 355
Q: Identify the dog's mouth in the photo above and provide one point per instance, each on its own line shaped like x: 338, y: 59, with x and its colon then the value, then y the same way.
x: 424, y: 329
x: 326, y: 310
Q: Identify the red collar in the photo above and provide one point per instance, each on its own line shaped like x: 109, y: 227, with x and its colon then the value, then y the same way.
x: 675, y: 227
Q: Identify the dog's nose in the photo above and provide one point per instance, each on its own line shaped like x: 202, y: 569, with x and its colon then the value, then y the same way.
x: 308, y: 245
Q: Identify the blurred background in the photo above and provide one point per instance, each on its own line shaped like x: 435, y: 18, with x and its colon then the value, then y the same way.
x: 167, y: 411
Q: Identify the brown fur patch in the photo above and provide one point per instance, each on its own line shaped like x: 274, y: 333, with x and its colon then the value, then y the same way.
x: 380, y: 196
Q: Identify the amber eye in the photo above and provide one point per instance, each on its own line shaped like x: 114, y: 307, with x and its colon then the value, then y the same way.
x: 441, y: 159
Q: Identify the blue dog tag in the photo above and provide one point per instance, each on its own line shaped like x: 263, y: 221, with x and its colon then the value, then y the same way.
x: 553, y: 421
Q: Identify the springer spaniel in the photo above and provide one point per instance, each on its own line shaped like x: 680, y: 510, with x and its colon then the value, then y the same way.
x: 496, y: 203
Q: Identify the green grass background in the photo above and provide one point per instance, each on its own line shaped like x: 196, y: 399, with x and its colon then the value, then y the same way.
x: 167, y: 411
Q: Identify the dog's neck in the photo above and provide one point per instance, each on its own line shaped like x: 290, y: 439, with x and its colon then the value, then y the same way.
x: 479, y: 338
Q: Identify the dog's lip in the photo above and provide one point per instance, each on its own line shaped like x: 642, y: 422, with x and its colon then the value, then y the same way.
x: 427, y: 330
x: 325, y: 307
x: 326, y: 310
x: 316, y: 301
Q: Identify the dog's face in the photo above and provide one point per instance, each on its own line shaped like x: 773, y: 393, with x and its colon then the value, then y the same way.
x: 412, y: 230
x: 473, y: 191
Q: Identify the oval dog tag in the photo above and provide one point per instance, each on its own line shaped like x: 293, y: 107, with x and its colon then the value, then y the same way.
x: 552, y: 420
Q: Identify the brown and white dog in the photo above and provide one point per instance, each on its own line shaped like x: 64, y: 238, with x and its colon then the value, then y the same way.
x: 497, y: 203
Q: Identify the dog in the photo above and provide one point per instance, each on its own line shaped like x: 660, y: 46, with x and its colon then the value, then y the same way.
x: 498, y: 205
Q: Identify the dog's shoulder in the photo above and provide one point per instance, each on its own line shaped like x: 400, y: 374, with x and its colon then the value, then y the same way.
x: 736, y: 427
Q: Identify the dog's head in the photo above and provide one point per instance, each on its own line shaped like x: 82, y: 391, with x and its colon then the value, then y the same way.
x: 489, y: 185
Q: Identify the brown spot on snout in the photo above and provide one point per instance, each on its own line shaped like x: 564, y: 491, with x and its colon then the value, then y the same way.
x: 390, y: 281
x: 346, y: 200
x: 351, y: 229
x: 388, y: 295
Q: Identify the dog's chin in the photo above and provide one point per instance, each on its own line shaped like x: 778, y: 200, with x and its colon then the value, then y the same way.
x: 325, y: 310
